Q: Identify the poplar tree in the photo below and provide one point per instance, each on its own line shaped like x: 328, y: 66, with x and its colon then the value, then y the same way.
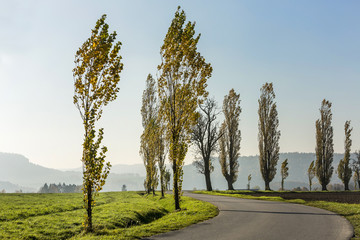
x: 284, y: 172
x: 229, y: 141
x: 149, y: 113
x: 167, y: 178
x: 311, y: 173
x: 355, y: 165
x: 205, y: 136
x: 268, y: 134
x: 344, y: 169
x: 183, y: 73
x: 96, y: 76
x: 160, y: 153
x: 324, y: 145
x: 356, y: 180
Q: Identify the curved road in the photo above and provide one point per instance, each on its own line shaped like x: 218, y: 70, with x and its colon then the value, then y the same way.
x: 256, y: 219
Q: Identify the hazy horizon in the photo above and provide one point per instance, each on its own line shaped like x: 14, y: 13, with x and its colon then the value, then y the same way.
x: 309, y: 50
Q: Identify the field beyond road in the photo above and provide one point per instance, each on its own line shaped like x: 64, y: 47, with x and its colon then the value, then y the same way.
x: 117, y: 215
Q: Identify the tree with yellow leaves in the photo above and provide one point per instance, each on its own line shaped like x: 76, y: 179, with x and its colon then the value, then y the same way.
x: 96, y: 75
x: 149, y: 113
x: 311, y: 173
x: 183, y: 73
x: 284, y: 173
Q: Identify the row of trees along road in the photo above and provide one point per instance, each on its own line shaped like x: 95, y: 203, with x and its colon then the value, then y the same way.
x: 170, y: 119
x: 181, y: 86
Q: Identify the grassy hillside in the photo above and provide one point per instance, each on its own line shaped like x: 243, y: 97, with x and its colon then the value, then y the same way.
x: 124, y: 215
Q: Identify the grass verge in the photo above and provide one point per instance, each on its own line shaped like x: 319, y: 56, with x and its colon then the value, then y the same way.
x: 350, y: 211
x: 117, y: 215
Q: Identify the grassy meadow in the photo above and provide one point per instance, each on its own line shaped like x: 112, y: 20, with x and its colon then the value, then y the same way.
x: 117, y: 215
x: 348, y: 210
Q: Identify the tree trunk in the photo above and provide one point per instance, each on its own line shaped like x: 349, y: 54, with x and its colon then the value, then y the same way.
x: 230, y: 185
x: 176, y: 188
x: 267, y: 185
x: 323, y: 187
x: 207, y: 175
x: 162, y: 185
x: 346, y: 186
x: 282, y: 184
x: 89, y: 209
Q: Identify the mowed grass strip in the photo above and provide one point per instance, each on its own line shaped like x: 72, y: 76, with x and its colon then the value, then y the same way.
x: 117, y: 215
x: 350, y: 211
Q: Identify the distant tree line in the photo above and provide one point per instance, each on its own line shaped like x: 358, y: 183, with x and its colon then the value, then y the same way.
x: 60, y: 188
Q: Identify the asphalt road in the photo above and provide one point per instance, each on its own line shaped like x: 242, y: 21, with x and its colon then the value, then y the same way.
x: 255, y: 219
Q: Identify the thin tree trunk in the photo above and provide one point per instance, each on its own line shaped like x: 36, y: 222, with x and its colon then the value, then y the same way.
x: 89, y: 208
x: 176, y: 188
x: 162, y: 184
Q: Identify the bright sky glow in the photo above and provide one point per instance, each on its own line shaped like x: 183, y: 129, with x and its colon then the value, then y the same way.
x: 309, y: 49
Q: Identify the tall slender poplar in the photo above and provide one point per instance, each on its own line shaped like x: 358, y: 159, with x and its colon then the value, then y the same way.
x: 344, y: 169
x: 269, y: 135
x: 324, y: 145
x: 183, y: 73
x: 96, y: 76
x: 230, y: 139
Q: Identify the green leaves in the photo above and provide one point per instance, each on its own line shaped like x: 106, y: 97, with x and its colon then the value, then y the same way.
x: 96, y: 76
x: 183, y: 73
x: 96, y: 72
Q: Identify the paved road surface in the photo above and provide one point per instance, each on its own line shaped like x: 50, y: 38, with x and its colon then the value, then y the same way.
x: 255, y: 219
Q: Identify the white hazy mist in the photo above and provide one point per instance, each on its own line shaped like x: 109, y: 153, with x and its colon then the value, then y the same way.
x: 309, y: 50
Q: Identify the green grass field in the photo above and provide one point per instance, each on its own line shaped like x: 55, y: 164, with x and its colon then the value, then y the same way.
x: 350, y: 211
x: 117, y: 215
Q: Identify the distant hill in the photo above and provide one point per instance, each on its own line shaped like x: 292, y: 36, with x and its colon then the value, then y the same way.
x: 298, y: 165
x: 121, y: 169
x: 18, y: 172
x: 22, y: 174
x: 10, y: 188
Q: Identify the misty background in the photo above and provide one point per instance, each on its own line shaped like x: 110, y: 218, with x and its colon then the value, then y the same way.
x: 18, y: 173
x: 309, y: 49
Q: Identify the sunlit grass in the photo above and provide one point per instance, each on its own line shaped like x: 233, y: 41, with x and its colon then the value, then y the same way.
x: 117, y: 215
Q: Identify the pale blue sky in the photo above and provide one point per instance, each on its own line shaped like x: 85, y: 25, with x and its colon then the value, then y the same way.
x: 309, y: 49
